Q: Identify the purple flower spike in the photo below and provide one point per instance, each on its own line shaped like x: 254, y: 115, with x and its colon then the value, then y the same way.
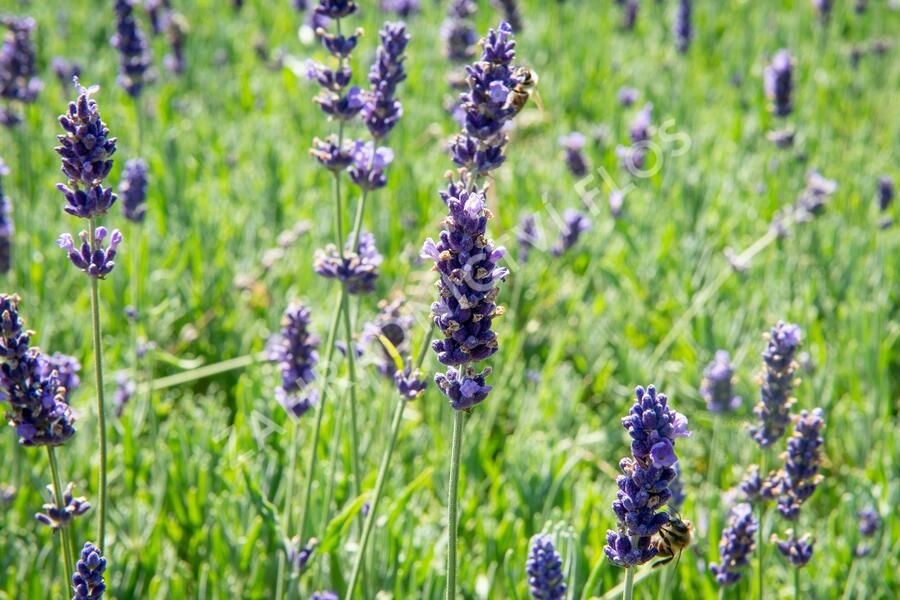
x: 410, y: 383
x: 464, y: 391
x: 798, y: 552
x: 778, y: 82
x: 335, y: 9
x: 295, y: 350
x: 717, y: 385
x: 779, y: 367
x: 18, y: 68
x: 369, y: 163
x: 682, y: 27
x: 736, y: 545
x: 97, y: 264
x: 573, y: 149
x: 869, y: 522
x: 885, y: 192
x: 55, y: 517
x: 135, y: 58
x: 544, y: 570
x: 88, y: 579
x: 382, y: 110
x: 133, y: 190
x: 340, y: 46
x: 800, y: 475
x: 330, y: 156
x: 357, y: 270
x: 575, y: 223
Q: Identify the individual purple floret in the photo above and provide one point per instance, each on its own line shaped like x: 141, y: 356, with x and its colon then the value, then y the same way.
x: 717, y: 386
x: 778, y: 83
x: 55, y: 517
x: 88, y: 579
x: 511, y: 13
x: 135, y: 58
x: 497, y: 91
x: 97, y: 263
x: 18, y: 70
x: 86, y: 150
x: 382, y: 110
x: 627, y: 96
x: 410, y: 382
x: 65, y: 70
x: 402, y: 8
x: 393, y: 323
x: 35, y: 400
x: 869, y: 522
x: 340, y: 46
x: 133, y: 190
x: 335, y: 9
x: 573, y: 148
x: 544, y: 570
x: 464, y: 391
x: 330, y: 156
x: 125, y: 390
x: 885, y: 192
x: 527, y: 235
x: 336, y: 106
x: 800, y: 475
x: 369, y: 163
x: 644, y: 487
x: 7, y: 227
x: 779, y: 367
x: 295, y: 350
x: 575, y: 223
x: 798, y: 552
x: 357, y: 270
x: 682, y: 28
x: 736, y: 545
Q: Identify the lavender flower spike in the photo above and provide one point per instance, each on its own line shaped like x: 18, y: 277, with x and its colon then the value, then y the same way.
x: 800, y: 475
x: 295, y: 351
x: 527, y: 235
x: 382, y: 110
x: 18, y: 70
x: 885, y: 192
x: 369, y: 164
x: 35, y: 400
x: 56, y: 518
x: 798, y: 552
x: 682, y: 27
x: 778, y: 82
x: 544, y: 569
x: 573, y: 148
x: 97, y: 263
x: 647, y: 474
x: 717, y: 385
x: 869, y: 522
x: 7, y: 227
x: 736, y: 545
x: 574, y: 224
x: 135, y: 59
x: 88, y: 580
x: 86, y: 150
x: 133, y: 190
x: 357, y: 270
x: 779, y: 366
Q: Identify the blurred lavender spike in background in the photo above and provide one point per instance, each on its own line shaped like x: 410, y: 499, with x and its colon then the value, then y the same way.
x: 736, y: 545
x: 544, y: 570
x: 135, y: 57
x: 776, y: 393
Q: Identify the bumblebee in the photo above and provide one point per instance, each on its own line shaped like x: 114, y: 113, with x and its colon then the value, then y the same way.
x: 671, y: 539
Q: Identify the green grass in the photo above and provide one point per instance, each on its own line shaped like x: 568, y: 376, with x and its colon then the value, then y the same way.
x: 198, y: 468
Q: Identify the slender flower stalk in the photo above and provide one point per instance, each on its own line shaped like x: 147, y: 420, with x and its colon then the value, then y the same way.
x: 86, y: 150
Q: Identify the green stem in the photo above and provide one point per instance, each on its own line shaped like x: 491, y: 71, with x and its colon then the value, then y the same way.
x: 354, y: 431
x: 628, y: 593
x: 796, y: 583
x: 453, y: 504
x: 101, y: 413
x: 333, y: 453
x: 379, y: 488
x: 64, y: 532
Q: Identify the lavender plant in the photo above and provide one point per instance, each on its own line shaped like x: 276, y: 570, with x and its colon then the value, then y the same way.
x: 644, y: 488
x: 135, y: 58
x: 544, y: 570
x: 778, y: 379
x: 86, y: 151
x: 778, y: 79
x: 464, y: 257
x: 575, y: 223
x: 717, y: 386
x: 36, y: 405
x: 88, y: 581
x: 55, y: 517
x: 573, y: 151
x: 869, y: 523
x: 18, y: 71
x: 682, y: 28
x: 735, y: 546
x: 295, y: 351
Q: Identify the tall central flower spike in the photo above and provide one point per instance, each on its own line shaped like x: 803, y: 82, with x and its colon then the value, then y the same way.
x: 800, y: 475
x: 779, y: 366
x: 30, y: 387
x: 464, y: 257
x: 644, y: 488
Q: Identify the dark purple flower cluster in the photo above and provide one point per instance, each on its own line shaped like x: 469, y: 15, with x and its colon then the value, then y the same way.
x: 335, y: 9
x: 773, y: 409
x: 88, y: 579
x: 133, y: 190
x: 717, y: 385
x: 357, y: 270
x: 295, y: 350
x: 682, y: 27
x: 382, y: 110
x: 393, y: 323
x: 369, y: 164
x: 634, y: 157
x: 885, y: 192
x: 466, y: 261
x: 797, y: 551
x: 458, y: 33
x: 67, y: 370
x: 756, y: 489
x: 18, y: 70
x: 800, y: 475
x: 403, y: 8
x: 627, y: 96
x: 736, y: 545
x: 629, y: 13
x: 511, y: 13
x: 644, y: 488
x: 331, y: 156
x: 497, y: 91
x: 869, y: 522
x: 544, y: 570
x: 135, y: 58
x: 36, y: 405
x: 100, y: 261
x: 410, y: 382
x: 7, y: 227
x: 299, y: 556
x: 573, y: 151
x: 86, y: 150
x: 778, y: 82
x: 575, y: 223
x: 56, y: 517
x: 527, y: 235
x: 812, y: 200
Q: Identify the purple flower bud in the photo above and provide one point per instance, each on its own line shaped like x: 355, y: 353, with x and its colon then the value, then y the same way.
x: 335, y: 9
x: 627, y: 96
x: 682, y: 28
x: 544, y: 570
x: 716, y: 388
x: 358, y: 270
x: 800, y: 475
x: 367, y: 170
x: 97, y: 263
x: 573, y: 147
x: 330, y: 156
x: 869, y: 522
x: 55, y: 517
x: 18, y: 69
x: 798, y: 552
x: 885, y: 192
x: 125, y: 390
x: 574, y: 224
x: 295, y: 350
x: 88, y: 578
